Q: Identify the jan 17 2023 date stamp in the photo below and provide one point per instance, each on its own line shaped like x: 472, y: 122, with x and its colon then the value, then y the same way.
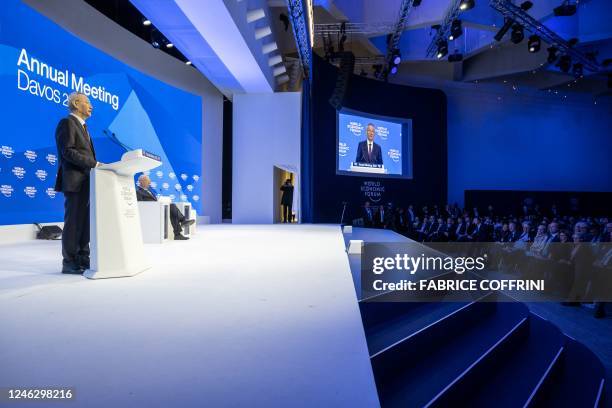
x: 15, y: 394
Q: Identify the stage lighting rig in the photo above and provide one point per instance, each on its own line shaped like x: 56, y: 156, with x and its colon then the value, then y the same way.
x: 442, y: 49
x: 519, y: 15
x: 534, y: 43
x: 518, y: 34
x: 450, y: 20
x: 456, y: 30
x: 504, y: 29
x: 466, y: 5
x: 565, y: 9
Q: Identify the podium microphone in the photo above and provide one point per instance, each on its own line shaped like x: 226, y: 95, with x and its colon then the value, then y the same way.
x: 113, y: 137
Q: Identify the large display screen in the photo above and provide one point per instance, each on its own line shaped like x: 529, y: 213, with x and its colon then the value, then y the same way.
x: 40, y: 65
x: 371, y: 145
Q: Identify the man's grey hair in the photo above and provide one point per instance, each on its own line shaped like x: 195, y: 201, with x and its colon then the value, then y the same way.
x: 72, y: 99
x: 142, y: 177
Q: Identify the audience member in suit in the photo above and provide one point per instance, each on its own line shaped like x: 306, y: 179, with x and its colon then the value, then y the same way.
x: 77, y: 157
x: 436, y: 230
x: 368, y: 215
x: 478, y: 232
x: 462, y: 229
x: 514, y: 233
x: 449, y: 230
x: 401, y: 221
x: 178, y: 221
x: 410, y: 214
x: 503, y: 235
x: 287, y: 201
x: 368, y: 151
x: 423, y: 231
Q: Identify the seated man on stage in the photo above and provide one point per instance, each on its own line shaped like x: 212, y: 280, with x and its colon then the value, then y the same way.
x: 143, y: 193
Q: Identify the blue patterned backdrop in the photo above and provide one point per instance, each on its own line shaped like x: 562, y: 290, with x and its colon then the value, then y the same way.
x: 40, y: 64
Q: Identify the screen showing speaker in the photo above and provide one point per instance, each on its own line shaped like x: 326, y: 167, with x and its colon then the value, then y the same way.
x: 373, y: 146
x: 40, y: 65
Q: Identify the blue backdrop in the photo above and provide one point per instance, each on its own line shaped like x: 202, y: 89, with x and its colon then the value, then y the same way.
x: 40, y: 64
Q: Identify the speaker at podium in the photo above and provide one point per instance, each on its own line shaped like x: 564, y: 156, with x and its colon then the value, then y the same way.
x: 116, y: 236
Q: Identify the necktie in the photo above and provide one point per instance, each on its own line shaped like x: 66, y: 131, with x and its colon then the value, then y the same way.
x: 369, y: 149
x: 86, y: 133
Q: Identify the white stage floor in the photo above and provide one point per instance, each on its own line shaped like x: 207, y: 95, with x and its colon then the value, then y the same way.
x: 260, y: 316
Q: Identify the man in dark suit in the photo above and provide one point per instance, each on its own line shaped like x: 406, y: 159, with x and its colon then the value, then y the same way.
x: 287, y: 200
x: 368, y: 151
x: 177, y: 219
x: 77, y: 157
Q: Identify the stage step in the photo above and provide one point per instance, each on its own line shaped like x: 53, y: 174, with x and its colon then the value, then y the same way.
x: 413, y: 371
x: 577, y: 380
x: 381, y: 333
x: 510, y: 373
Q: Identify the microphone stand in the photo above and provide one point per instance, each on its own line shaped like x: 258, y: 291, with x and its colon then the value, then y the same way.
x: 344, y: 203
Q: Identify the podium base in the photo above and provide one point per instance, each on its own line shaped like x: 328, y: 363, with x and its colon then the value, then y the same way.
x: 124, y: 273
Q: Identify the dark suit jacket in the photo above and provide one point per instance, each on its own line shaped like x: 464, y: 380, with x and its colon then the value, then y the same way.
x: 287, y: 197
x: 363, y: 157
x: 144, y: 195
x: 75, y: 153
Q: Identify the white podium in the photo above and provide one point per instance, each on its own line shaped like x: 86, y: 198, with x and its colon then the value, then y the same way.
x: 116, y: 237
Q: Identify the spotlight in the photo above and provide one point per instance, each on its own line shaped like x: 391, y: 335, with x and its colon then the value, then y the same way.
x: 565, y: 10
x: 564, y: 63
x: 456, y: 30
x: 577, y: 70
x: 517, y: 34
x: 502, y: 31
x: 466, y: 5
x: 169, y: 45
x: 394, y: 70
x: 534, y: 43
x: 396, y: 58
x: 552, y: 54
x: 146, y: 22
x: 188, y: 62
x: 442, y: 49
x: 155, y: 43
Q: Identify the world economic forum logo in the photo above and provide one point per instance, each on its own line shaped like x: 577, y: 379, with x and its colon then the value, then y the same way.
x: 41, y: 174
x: 165, y: 186
x: 159, y: 174
x: 30, y: 155
x: 172, y: 197
x: 51, y: 192
x: 51, y: 158
x: 183, y: 197
x: 19, y: 172
x: 189, y: 187
x: 196, y: 177
x: 184, y: 176
x: 6, y: 190
x: 153, y: 184
x: 196, y: 198
x: 172, y: 176
x: 7, y: 151
x: 30, y: 191
x: 177, y: 186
